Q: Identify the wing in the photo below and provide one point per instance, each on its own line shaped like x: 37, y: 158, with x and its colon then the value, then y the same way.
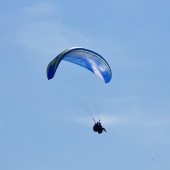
x: 88, y: 59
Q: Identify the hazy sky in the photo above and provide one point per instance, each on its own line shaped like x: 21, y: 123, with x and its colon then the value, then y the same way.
x: 47, y: 125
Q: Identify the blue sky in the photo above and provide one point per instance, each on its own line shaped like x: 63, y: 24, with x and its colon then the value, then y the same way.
x: 47, y: 124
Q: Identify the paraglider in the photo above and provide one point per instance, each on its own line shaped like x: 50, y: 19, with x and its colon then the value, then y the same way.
x: 87, y: 59
x: 98, y: 127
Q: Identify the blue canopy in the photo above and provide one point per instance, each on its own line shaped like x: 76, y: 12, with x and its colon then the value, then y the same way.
x: 84, y: 58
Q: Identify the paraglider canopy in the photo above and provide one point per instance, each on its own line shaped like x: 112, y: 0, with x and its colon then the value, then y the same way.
x: 88, y: 59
